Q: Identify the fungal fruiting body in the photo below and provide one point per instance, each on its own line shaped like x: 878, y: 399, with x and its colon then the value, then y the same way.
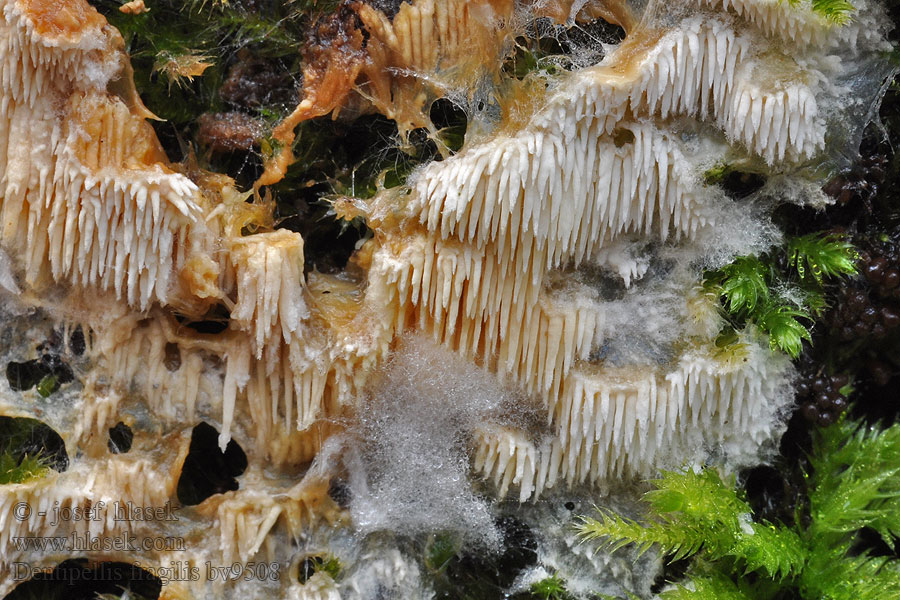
x: 559, y: 249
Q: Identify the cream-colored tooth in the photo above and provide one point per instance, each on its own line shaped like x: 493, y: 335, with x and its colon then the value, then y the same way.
x: 432, y: 210
x: 629, y: 179
x: 181, y: 205
x: 13, y: 65
x: 742, y: 112
x: 70, y: 230
x: 505, y: 213
x: 514, y: 208
x: 88, y: 244
x: 620, y: 406
x: 154, y: 203
x: 504, y: 455
x: 158, y: 227
x: 778, y: 114
x: 547, y: 177
x: 140, y: 197
x: 653, y: 90
x: 134, y: 271
x: 749, y: 129
x: 507, y: 480
x: 452, y: 205
x: 768, y: 111
x: 756, y: 101
x: 710, y: 61
x: 404, y: 37
x: 662, y: 80
x: 782, y: 142
x: 526, y: 486
x: 681, y: 73
x: 730, y: 60
x: 470, y: 227
x: 615, y: 198
x: 428, y: 194
x: 477, y: 173
x: 667, y: 100
x: 792, y: 114
x: 141, y: 254
x: 144, y: 226
x: 644, y: 144
x: 668, y: 55
x: 229, y: 394
x: 490, y: 454
x: 519, y: 464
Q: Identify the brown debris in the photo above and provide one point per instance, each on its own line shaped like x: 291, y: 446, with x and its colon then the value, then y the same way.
x: 333, y: 56
x: 392, y: 64
x: 183, y: 67
x: 229, y: 131
x: 253, y: 82
x: 365, y: 59
x: 135, y: 7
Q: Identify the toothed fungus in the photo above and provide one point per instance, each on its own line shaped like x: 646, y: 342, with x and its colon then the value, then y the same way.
x: 560, y: 249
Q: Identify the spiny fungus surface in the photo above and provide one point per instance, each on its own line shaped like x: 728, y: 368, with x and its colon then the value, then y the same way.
x: 560, y: 250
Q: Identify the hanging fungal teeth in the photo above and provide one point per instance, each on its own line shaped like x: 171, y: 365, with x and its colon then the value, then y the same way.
x: 629, y: 422
x: 797, y: 22
x: 245, y: 517
x: 703, y: 69
x: 114, y: 481
x: 501, y: 252
x: 624, y: 158
x: 635, y: 161
x: 69, y: 177
x: 270, y: 287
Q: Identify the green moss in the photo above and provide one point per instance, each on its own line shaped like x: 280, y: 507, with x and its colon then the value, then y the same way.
x: 817, y: 256
x: 836, y: 11
x: 550, y: 588
x: 781, y: 292
x: 440, y: 550
x: 27, y: 445
x: 716, y: 174
x: 15, y: 469
x: 47, y: 385
x: 854, y: 484
x: 329, y: 564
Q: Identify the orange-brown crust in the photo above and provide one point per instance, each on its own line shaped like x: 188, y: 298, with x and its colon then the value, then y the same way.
x: 334, y: 58
x: 616, y: 12
x: 113, y: 135
x: 384, y: 66
x: 65, y: 19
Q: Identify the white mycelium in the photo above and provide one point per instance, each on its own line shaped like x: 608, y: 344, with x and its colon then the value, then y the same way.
x: 506, y: 253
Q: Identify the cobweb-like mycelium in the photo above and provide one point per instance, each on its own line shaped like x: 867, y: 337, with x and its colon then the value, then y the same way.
x: 503, y: 253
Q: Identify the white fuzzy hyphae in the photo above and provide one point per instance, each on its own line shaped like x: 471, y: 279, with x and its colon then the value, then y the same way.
x: 556, y: 255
